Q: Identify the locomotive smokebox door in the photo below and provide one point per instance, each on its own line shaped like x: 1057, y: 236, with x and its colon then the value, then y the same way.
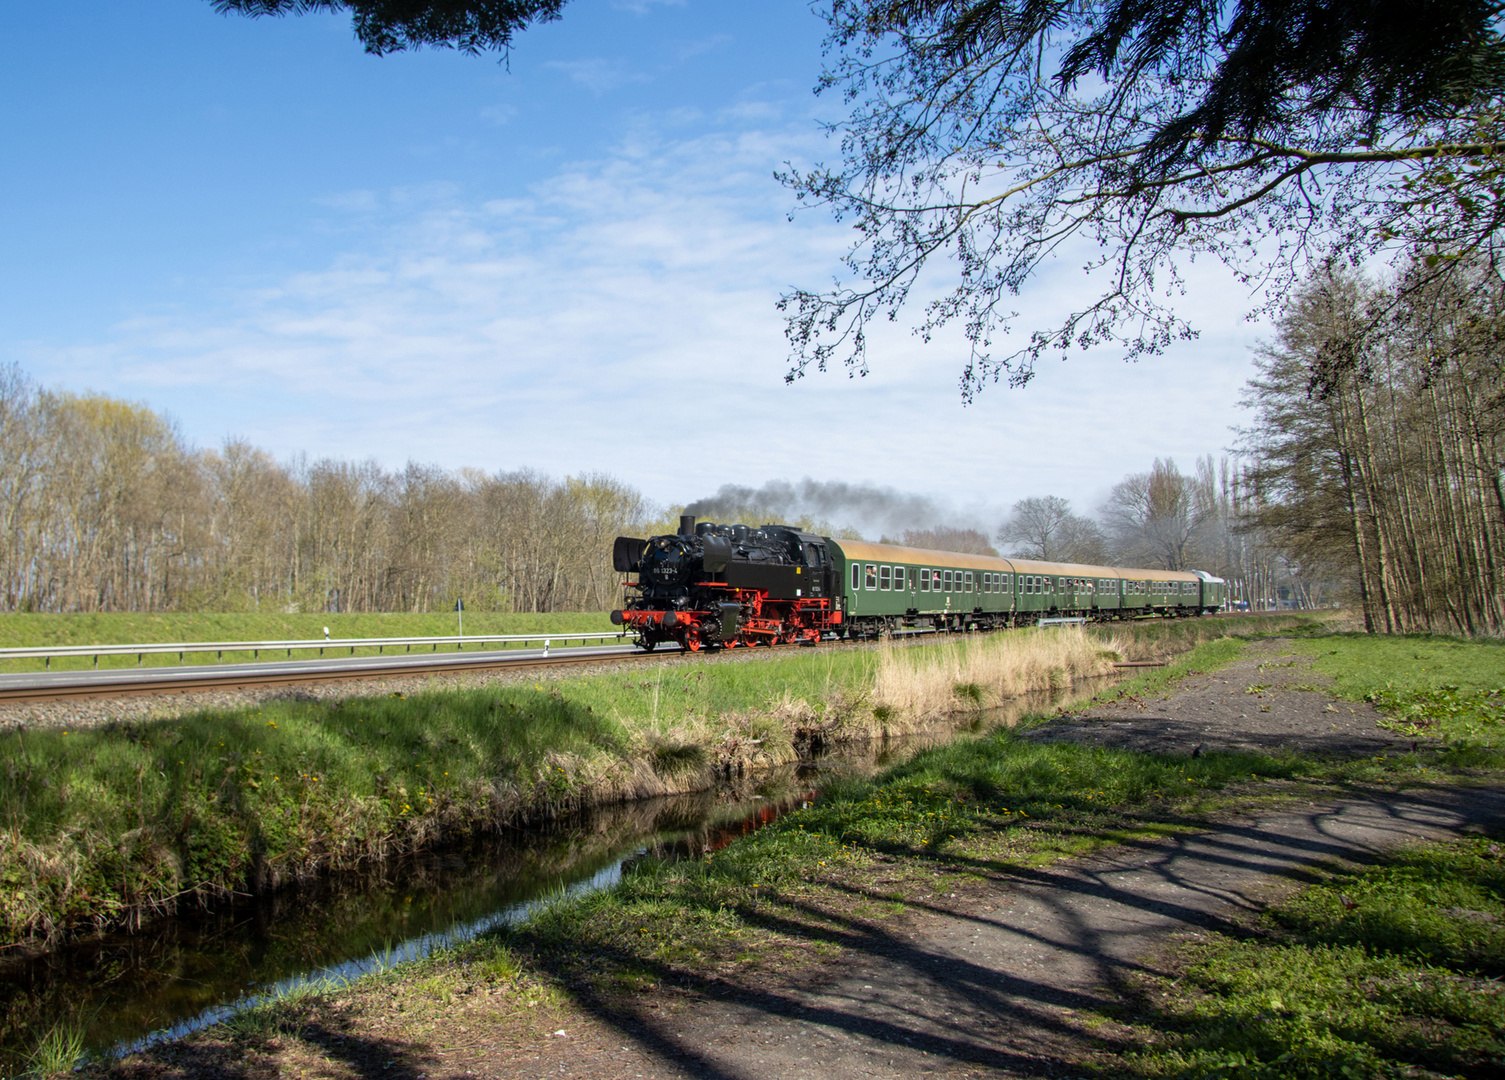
x: 627, y: 554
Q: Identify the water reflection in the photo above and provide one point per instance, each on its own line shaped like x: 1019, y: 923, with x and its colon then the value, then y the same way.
x: 182, y: 974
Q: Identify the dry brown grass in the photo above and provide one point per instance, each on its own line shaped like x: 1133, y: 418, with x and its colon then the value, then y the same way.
x: 929, y: 683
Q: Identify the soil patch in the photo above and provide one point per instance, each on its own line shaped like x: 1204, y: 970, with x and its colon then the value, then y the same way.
x: 1271, y: 701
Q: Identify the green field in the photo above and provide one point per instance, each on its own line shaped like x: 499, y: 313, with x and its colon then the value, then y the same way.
x: 1448, y: 688
x: 37, y: 631
x: 102, y: 822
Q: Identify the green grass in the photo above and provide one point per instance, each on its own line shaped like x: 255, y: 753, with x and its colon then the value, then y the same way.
x: 105, y: 822
x: 1452, y: 688
x: 1362, y: 664
x: 60, y: 1049
x: 1152, y: 682
x: 35, y: 631
x: 1389, y: 971
x: 103, y: 825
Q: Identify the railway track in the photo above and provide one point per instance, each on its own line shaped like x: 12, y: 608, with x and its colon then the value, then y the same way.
x: 62, y: 685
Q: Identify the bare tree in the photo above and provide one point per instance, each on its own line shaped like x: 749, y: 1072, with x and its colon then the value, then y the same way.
x: 1043, y: 527
x: 987, y: 137
x: 1156, y: 518
x: 944, y: 538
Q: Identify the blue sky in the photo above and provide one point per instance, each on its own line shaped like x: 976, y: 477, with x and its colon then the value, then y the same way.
x: 569, y: 265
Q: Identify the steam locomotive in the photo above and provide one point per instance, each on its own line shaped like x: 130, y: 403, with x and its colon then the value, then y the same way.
x: 720, y: 586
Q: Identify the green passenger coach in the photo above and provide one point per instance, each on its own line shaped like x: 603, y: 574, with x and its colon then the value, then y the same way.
x: 884, y: 587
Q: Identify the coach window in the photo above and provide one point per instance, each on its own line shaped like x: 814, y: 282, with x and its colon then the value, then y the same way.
x: 856, y: 576
x: 946, y: 580
x: 898, y: 579
x: 884, y: 574
x: 924, y: 580
x: 872, y: 576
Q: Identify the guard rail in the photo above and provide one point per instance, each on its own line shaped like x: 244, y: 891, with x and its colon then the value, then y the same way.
x: 256, y: 648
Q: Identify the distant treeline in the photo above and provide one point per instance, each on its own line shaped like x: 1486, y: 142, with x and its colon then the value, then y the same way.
x: 103, y: 507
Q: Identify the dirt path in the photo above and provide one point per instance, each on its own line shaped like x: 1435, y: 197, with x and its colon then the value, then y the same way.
x: 1001, y: 982
x: 1269, y: 701
x: 996, y: 991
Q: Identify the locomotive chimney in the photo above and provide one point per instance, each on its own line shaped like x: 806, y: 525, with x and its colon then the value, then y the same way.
x: 686, y: 524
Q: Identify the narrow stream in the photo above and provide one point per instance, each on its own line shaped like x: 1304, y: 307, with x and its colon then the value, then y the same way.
x: 182, y: 974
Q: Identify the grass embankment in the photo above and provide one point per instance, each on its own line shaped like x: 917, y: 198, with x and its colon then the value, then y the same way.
x: 125, y: 628
x: 106, y: 826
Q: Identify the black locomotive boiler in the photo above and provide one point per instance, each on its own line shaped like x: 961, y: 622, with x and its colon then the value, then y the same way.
x: 715, y: 585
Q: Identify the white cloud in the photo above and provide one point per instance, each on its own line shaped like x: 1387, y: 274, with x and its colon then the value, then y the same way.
x: 643, y: 7
x: 598, y: 74
x: 620, y: 316
x: 500, y: 115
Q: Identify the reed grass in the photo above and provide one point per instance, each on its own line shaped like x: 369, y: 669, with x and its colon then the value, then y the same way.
x: 934, y: 682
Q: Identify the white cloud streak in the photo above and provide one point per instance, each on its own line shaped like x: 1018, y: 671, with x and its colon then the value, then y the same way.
x: 620, y: 316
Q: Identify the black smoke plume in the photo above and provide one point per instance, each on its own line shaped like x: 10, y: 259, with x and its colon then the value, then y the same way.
x: 832, y: 505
